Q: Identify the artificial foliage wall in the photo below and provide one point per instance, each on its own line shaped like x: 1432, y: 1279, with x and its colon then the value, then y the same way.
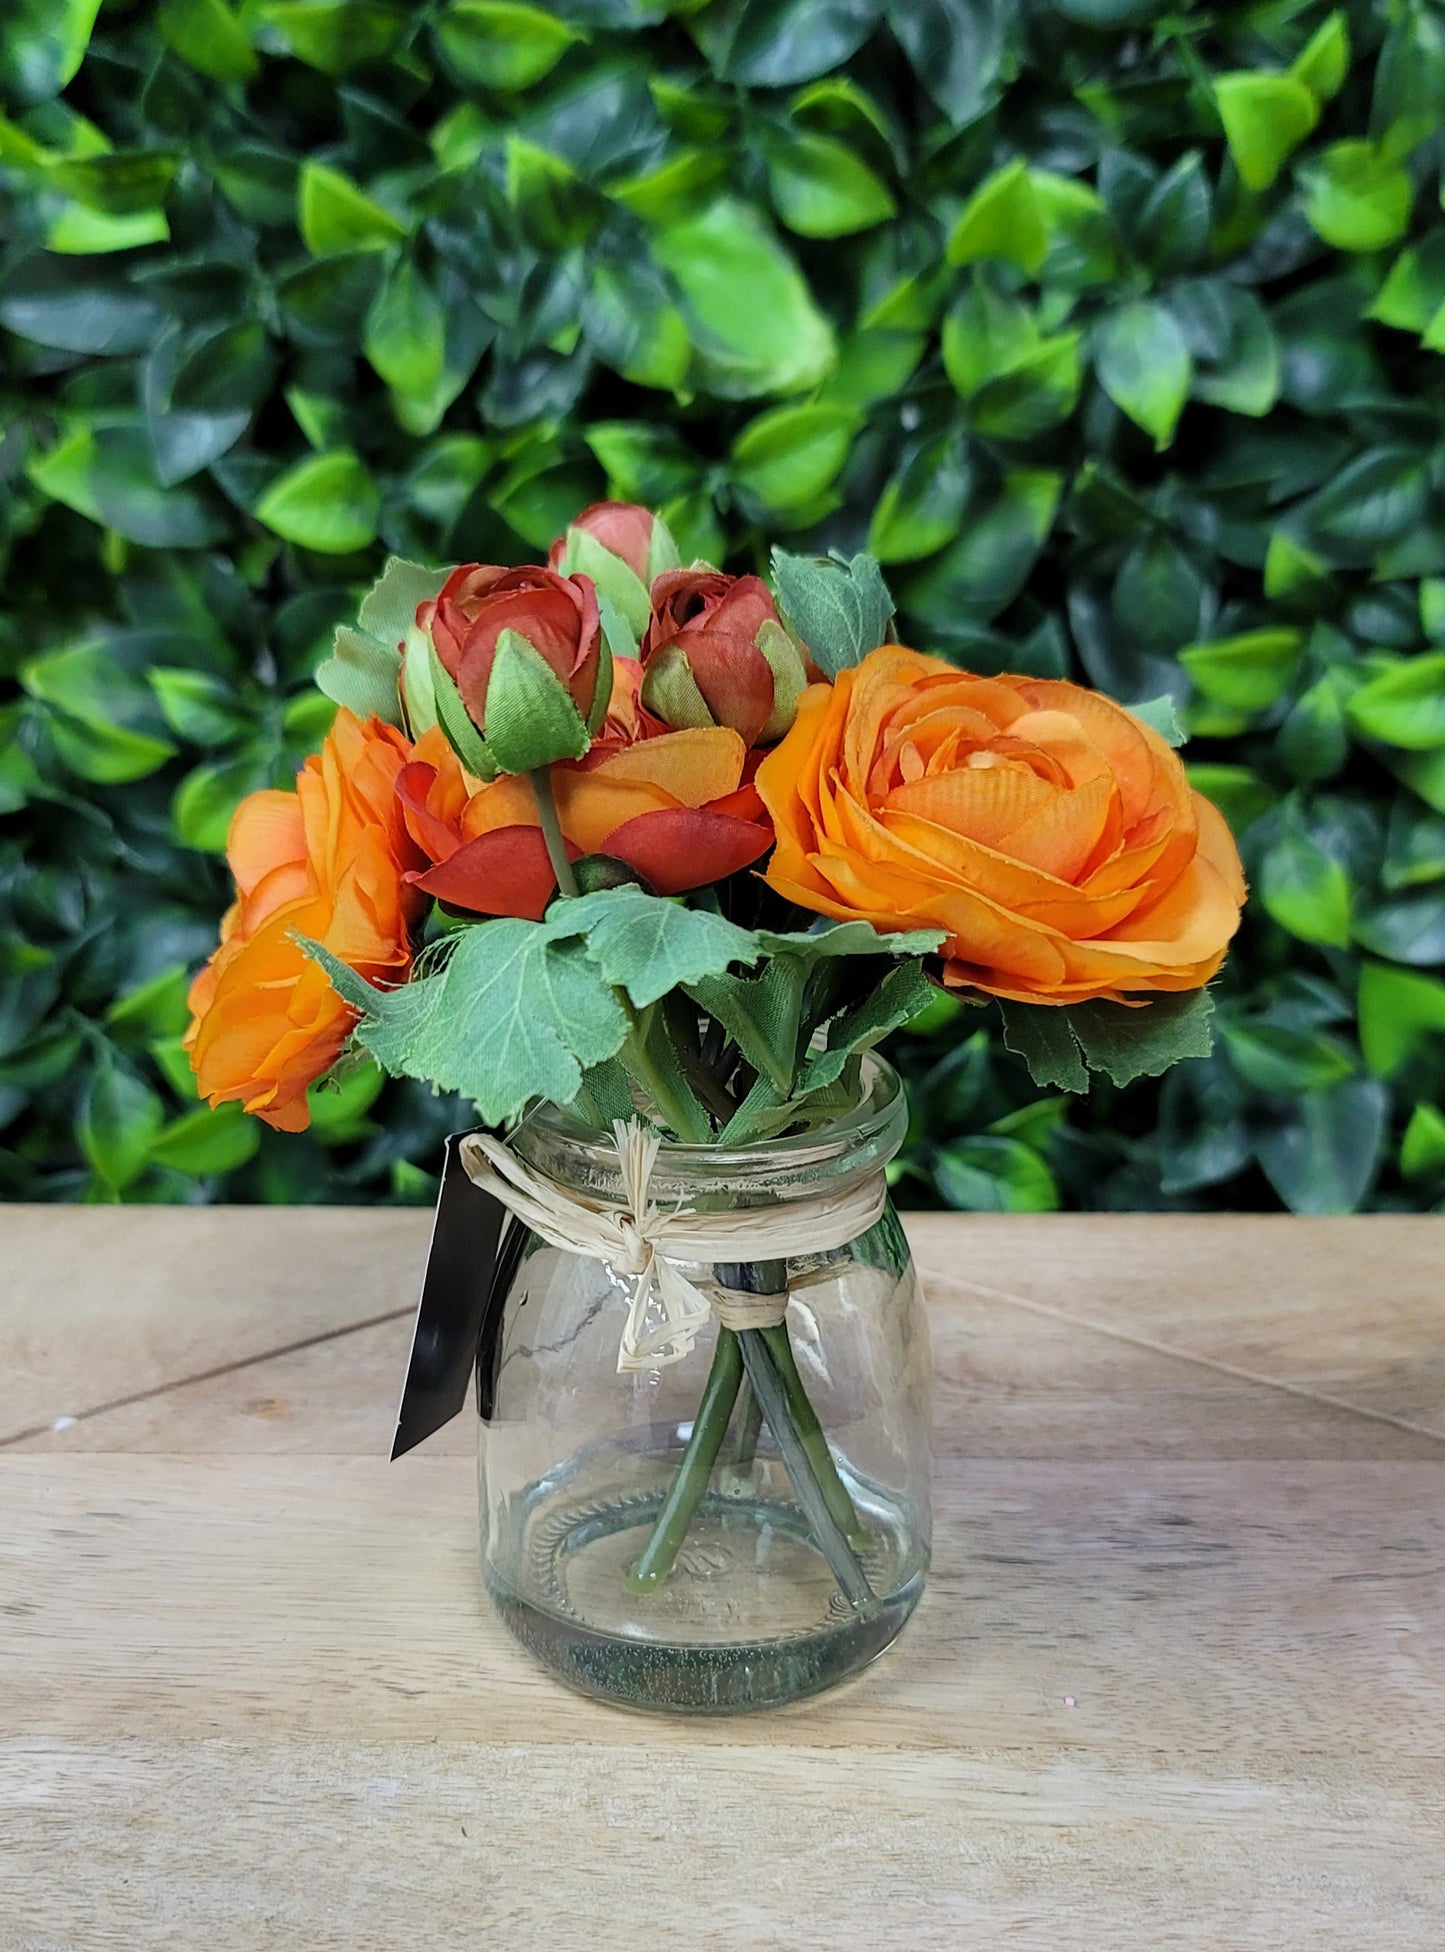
x: 1116, y: 331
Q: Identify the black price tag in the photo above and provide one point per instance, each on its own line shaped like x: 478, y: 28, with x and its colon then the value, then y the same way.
x: 458, y: 1323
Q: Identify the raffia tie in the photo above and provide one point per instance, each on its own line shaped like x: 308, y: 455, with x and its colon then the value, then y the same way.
x: 644, y: 1242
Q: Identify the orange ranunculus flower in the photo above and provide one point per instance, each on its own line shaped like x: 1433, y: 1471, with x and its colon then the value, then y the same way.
x: 327, y: 861
x: 1051, y: 834
x: 675, y: 808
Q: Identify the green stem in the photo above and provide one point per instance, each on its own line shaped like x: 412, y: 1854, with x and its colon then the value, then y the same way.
x: 810, y: 1435
x: 686, y: 1491
x: 750, y: 1426
x: 830, y: 1535
x: 683, y: 1114
x: 541, y: 780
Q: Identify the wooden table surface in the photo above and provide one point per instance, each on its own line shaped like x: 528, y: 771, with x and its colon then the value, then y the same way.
x: 1178, y: 1679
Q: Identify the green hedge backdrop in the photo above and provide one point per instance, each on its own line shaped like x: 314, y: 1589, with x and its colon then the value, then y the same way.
x: 1116, y: 330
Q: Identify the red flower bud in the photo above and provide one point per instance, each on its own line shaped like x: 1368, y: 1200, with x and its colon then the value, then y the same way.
x: 556, y: 614
x: 623, y: 527
x: 715, y: 653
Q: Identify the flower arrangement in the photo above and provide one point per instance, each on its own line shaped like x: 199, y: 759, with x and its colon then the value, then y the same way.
x: 677, y: 848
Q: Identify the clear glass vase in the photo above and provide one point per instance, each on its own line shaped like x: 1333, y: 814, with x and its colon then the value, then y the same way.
x: 646, y: 1535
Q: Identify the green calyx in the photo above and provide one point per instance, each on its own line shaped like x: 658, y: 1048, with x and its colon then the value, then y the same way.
x: 586, y: 556
x: 530, y: 717
x: 670, y: 692
x: 790, y: 679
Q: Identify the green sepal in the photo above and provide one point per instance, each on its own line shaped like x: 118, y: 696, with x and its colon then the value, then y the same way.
x: 670, y: 692
x: 662, y: 551
x: 790, y: 679
x: 1042, y: 1038
x: 531, y: 719
x: 463, y: 737
x: 611, y: 623
x: 418, y: 693
x: 589, y: 557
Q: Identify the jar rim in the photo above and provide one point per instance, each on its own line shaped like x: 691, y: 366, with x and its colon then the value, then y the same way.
x: 862, y: 1138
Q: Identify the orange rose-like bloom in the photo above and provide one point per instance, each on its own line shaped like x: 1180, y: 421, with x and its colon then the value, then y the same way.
x: 1053, y: 836
x: 674, y: 808
x: 327, y: 861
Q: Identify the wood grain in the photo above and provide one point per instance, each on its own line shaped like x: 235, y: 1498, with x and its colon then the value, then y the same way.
x: 1178, y: 1680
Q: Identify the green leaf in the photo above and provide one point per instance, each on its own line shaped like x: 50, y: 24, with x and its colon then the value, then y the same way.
x: 841, y: 610
x: 1323, y: 1153
x: 120, y: 1119
x: 1001, y: 220
x: 1422, y: 1150
x: 922, y: 506
x: 336, y: 217
x: 1247, y: 673
x: 339, y: 1102
x: 502, y: 45
x: 362, y: 675
x: 1236, y: 356
x: 789, y: 455
x: 762, y: 1015
x: 208, y: 796
x: 1399, y: 1010
x: 406, y: 332
x: 208, y: 1141
x: 647, y: 945
x: 336, y: 35
x: 820, y: 188
x: 1414, y: 292
x: 77, y: 308
x: 1411, y: 931
x: 1265, y: 117
x: 364, y: 666
x: 1145, y: 367
x: 196, y: 704
x: 1162, y: 716
x: 119, y: 183
x: 995, y: 1175
x: 1305, y: 888
x: 984, y: 570
x: 514, y: 1015
x: 1276, y: 1057
x: 901, y: 994
x: 831, y: 939
x: 208, y: 37
x: 327, y: 503
x: 749, y: 313
x: 1355, y: 198
x: 1128, y: 1042
x: 43, y: 42
x: 1404, y: 705
x: 1324, y: 61
x: 555, y: 207
x: 1041, y: 1036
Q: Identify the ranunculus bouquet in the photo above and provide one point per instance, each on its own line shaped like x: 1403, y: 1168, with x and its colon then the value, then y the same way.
x: 676, y: 848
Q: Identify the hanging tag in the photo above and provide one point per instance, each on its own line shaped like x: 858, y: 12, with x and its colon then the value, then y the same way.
x: 455, y: 1295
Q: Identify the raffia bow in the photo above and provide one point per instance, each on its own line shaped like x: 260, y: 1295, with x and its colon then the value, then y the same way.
x: 644, y: 1242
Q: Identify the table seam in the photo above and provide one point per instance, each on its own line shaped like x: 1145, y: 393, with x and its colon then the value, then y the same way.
x: 156, y: 1390
x: 1323, y: 1398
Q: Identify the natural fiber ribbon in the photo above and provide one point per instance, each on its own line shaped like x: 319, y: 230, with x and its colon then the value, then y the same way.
x: 645, y: 1242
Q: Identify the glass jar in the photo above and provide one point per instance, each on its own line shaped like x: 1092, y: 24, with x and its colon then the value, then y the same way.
x: 724, y: 1588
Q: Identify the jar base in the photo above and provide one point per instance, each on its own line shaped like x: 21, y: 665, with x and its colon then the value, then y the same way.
x: 749, y: 1617
x: 694, y: 1680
